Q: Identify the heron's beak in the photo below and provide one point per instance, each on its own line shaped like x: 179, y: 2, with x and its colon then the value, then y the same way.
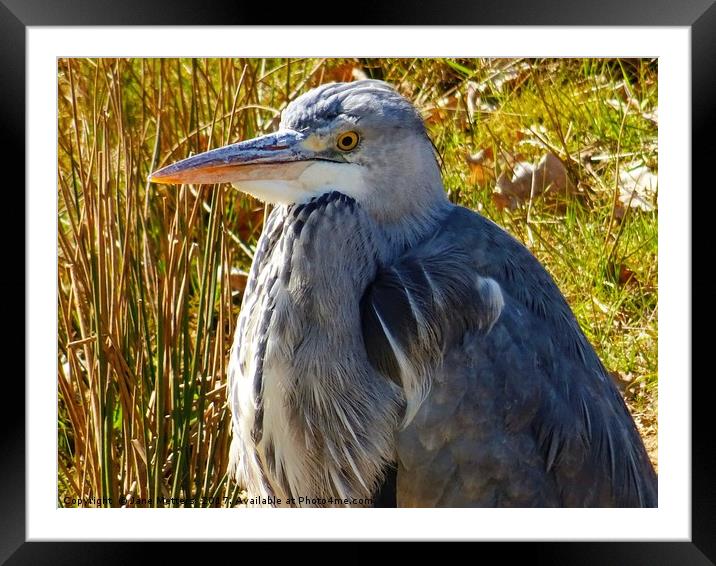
x: 270, y: 167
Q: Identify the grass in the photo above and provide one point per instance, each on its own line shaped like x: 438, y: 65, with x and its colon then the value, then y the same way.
x: 145, y: 298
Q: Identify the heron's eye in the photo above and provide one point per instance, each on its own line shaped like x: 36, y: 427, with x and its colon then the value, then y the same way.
x: 347, y: 141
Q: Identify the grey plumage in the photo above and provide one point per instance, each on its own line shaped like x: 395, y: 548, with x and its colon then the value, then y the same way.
x: 322, y: 386
x: 524, y: 414
x: 386, y: 332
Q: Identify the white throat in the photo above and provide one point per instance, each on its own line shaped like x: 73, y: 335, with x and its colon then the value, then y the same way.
x: 305, y: 180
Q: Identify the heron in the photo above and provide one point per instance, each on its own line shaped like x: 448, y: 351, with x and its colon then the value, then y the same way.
x: 396, y: 349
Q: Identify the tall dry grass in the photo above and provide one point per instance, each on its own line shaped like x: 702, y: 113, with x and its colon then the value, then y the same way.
x: 147, y: 299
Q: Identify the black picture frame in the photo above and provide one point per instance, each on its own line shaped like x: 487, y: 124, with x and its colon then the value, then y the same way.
x: 17, y: 15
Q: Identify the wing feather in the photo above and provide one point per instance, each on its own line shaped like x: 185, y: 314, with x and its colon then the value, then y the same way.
x: 504, y: 393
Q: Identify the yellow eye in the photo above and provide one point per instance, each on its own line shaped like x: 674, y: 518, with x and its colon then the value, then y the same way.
x: 347, y: 141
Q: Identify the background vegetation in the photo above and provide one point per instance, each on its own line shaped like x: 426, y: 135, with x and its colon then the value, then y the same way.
x: 150, y: 277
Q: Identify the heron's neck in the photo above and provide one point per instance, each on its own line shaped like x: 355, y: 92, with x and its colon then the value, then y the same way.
x: 409, y: 203
x: 414, y: 226
x: 316, y: 419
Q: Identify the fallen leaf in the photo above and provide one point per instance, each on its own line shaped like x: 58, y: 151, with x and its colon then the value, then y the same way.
x: 480, y: 171
x: 519, y: 186
x: 622, y: 380
x: 479, y: 174
x: 237, y: 279
x: 345, y: 72
x: 479, y: 157
x: 444, y: 108
x: 652, y: 115
x: 527, y: 181
x: 638, y: 186
x: 501, y: 201
x: 627, y: 276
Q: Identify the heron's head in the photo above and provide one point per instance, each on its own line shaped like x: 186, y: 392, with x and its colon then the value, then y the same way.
x: 362, y: 139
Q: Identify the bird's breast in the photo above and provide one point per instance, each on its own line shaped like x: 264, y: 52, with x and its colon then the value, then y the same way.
x: 299, y: 374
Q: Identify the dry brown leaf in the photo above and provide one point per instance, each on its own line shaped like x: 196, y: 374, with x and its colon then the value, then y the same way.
x: 249, y: 222
x: 478, y: 174
x: 481, y: 170
x: 622, y: 380
x: 237, y: 279
x: 442, y: 109
x: 479, y: 157
x: 550, y: 175
x: 501, y: 201
x: 345, y: 72
x: 627, y: 276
